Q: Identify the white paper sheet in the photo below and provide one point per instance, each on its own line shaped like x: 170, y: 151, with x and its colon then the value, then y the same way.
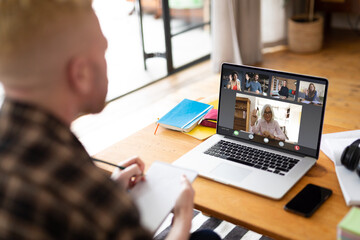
x: 333, y: 144
x: 156, y: 196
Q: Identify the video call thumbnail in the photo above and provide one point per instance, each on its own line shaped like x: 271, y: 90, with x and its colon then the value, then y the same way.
x: 233, y: 81
x: 311, y: 93
x: 283, y: 88
x: 256, y: 83
x: 250, y: 82
x: 267, y: 118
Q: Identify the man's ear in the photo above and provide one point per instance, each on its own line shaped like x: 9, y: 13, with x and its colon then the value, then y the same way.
x: 79, y: 75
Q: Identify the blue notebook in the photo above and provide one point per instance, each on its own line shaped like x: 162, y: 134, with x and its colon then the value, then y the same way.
x: 185, y: 116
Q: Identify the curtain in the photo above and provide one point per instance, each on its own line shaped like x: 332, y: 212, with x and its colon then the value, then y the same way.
x: 236, y: 32
x: 273, y: 22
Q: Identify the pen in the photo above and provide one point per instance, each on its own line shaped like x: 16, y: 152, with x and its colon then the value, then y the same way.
x: 156, y: 128
x: 111, y: 164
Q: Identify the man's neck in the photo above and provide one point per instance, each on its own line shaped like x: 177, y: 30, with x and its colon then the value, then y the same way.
x: 60, y: 108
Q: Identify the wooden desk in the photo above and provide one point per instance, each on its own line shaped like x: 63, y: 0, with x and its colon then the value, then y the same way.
x: 254, y: 212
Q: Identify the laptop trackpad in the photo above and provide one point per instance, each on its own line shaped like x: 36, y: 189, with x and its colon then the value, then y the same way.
x: 229, y: 173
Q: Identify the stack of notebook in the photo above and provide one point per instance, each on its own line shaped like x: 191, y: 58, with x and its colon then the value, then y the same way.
x: 185, y: 116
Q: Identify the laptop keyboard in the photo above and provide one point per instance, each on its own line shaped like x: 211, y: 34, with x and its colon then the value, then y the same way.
x: 252, y: 157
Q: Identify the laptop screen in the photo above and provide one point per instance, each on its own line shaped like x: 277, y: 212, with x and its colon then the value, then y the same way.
x: 281, y: 110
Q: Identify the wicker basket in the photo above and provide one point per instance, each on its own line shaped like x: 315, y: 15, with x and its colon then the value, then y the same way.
x: 305, y: 37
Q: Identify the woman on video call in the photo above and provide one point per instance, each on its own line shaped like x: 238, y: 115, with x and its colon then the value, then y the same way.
x: 311, y: 93
x: 266, y: 126
x: 234, y: 82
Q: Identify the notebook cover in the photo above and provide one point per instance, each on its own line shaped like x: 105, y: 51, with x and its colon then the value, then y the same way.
x: 184, y: 115
x: 210, y: 119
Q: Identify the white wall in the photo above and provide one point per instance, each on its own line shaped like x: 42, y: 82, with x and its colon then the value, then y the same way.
x: 293, y: 126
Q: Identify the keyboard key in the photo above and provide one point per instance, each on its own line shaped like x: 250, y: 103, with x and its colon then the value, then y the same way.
x: 282, y: 169
x: 239, y: 161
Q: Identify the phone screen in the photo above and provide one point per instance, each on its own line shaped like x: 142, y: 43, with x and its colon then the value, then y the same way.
x: 308, y: 200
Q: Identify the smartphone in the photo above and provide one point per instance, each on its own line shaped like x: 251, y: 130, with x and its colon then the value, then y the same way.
x: 308, y: 200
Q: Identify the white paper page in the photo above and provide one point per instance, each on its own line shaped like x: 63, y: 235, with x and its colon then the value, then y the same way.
x: 337, y: 146
x: 156, y: 196
x: 333, y: 145
x: 326, y: 148
x: 346, y: 134
x: 350, y: 185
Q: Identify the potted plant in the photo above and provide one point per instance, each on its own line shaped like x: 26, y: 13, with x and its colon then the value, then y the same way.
x: 305, y: 31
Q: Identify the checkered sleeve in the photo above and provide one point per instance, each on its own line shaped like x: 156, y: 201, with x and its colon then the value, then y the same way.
x: 49, y: 187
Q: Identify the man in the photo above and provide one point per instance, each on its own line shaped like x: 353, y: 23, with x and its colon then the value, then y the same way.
x: 52, y: 67
x: 284, y: 90
x: 253, y: 85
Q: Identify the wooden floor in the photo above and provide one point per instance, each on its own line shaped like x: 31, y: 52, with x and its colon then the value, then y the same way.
x: 338, y: 61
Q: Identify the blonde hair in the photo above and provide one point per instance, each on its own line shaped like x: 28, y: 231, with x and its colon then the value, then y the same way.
x: 25, y: 25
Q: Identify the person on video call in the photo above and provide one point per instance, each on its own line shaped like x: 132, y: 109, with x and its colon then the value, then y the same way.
x: 253, y: 86
x: 53, y: 68
x: 267, y: 126
x: 311, y: 93
x: 284, y: 91
x: 247, y: 80
x: 234, y: 83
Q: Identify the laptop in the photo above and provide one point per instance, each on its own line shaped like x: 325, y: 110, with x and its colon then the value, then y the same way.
x: 268, y: 130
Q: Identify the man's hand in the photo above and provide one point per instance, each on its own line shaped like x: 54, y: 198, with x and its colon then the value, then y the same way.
x: 132, y: 174
x: 257, y: 91
x: 183, y: 212
x: 185, y: 203
x: 254, y: 117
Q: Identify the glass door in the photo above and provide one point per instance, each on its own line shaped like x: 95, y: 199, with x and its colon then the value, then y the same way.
x: 186, y: 25
x: 151, y: 39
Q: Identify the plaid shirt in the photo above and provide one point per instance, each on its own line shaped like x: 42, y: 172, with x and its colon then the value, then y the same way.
x: 49, y: 187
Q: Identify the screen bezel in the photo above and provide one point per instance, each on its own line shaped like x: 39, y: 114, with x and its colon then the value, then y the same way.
x: 270, y: 72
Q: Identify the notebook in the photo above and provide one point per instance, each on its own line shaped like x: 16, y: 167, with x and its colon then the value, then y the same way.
x: 201, y: 132
x: 262, y: 144
x: 185, y: 115
x: 156, y: 196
